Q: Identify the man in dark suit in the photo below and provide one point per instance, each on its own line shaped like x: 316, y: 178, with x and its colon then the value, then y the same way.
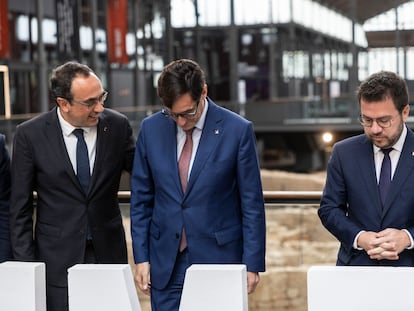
x: 75, y: 222
x: 5, y: 249
x: 214, y: 214
x: 374, y: 225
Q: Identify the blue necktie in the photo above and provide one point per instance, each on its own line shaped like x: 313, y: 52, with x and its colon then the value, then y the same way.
x: 385, y: 175
x: 82, y: 160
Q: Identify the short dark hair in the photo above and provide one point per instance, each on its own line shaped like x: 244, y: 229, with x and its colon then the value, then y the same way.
x: 62, y: 76
x: 382, y: 85
x: 178, y: 78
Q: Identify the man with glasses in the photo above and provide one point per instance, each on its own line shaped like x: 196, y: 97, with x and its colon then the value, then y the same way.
x: 368, y: 199
x: 72, y: 157
x: 209, y: 210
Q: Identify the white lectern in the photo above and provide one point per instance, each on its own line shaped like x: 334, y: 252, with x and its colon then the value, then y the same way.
x: 215, y: 287
x: 103, y: 287
x: 22, y: 286
x: 360, y: 288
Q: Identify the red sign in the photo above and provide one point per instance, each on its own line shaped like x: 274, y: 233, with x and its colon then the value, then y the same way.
x: 117, y: 30
x: 4, y: 30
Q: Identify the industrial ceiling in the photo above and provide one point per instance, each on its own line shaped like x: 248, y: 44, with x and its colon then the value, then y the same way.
x: 362, y: 10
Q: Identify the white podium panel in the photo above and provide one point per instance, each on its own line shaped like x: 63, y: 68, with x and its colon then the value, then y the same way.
x: 360, y: 288
x: 215, y: 287
x: 103, y: 287
x: 22, y: 286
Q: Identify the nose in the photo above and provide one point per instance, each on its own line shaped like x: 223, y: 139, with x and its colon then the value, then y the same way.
x: 181, y: 121
x: 375, y: 128
x: 99, y: 106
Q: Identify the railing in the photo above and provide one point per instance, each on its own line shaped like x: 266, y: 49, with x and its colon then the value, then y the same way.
x: 290, y: 197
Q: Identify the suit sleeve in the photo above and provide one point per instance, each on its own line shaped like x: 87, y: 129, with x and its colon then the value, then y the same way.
x: 21, y: 209
x: 334, y: 207
x: 5, y: 246
x: 129, y: 148
x: 252, y: 202
x: 142, y: 200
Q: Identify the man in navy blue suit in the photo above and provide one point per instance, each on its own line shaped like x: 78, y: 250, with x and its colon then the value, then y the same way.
x: 218, y: 217
x: 374, y: 226
x: 5, y: 248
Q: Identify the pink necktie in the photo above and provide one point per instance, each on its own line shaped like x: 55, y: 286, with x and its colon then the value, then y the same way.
x: 183, y: 166
x: 185, y: 157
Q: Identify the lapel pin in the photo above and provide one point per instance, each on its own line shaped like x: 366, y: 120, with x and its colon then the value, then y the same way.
x: 217, y: 131
x: 105, y: 129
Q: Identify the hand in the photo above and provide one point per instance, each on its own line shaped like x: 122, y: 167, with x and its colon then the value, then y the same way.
x: 142, y: 277
x: 253, y: 279
x: 388, y: 244
x: 366, y: 240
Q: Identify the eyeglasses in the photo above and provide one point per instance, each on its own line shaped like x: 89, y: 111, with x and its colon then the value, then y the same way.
x: 383, y: 122
x: 185, y: 115
x: 92, y: 101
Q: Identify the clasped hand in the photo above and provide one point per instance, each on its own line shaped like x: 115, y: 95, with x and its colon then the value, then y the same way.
x: 386, y: 244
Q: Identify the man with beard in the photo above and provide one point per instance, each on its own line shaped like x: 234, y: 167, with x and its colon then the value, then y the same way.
x: 368, y: 200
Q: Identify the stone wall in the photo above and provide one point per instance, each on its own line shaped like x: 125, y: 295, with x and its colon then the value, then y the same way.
x: 296, y: 240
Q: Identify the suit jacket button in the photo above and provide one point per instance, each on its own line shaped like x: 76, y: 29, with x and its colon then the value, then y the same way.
x: 177, y: 235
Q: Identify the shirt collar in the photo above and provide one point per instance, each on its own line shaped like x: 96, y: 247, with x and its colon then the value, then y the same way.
x: 66, y: 127
x: 202, y: 120
x: 399, y: 144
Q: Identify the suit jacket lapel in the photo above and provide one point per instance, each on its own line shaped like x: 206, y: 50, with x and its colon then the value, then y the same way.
x: 166, y: 137
x: 53, y: 132
x: 367, y: 164
x: 403, y: 170
x: 102, y: 143
x: 169, y: 134
x: 212, y: 132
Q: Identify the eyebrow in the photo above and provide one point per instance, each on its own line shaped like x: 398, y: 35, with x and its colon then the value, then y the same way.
x: 94, y: 98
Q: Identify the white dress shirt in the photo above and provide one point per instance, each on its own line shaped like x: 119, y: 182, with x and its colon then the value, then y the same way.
x: 90, y: 134
x: 198, y: 128
x: 394, y: 156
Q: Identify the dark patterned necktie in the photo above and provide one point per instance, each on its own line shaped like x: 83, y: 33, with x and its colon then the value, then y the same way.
x: 82, y: 160
x: 385, y: 175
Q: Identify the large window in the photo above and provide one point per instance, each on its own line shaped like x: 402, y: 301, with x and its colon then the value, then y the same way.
x: 398, y: 59
x: 308, y: 13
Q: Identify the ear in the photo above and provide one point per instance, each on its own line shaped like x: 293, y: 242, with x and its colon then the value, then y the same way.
x: 406, y: 112
x: 63, y: 104
x: 204, y: 91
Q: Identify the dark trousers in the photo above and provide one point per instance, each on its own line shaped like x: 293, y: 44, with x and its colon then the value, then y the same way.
x: 56, y: 296
x: 168, y: 298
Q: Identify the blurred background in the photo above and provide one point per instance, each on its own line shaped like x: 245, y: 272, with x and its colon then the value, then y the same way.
x: 290, y: 66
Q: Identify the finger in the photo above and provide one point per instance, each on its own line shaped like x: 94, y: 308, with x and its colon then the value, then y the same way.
x: 389, y: 255
x: 388, y: 246
x: 252, y: 281
x: 375, y: 251
x: 379, y: 241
